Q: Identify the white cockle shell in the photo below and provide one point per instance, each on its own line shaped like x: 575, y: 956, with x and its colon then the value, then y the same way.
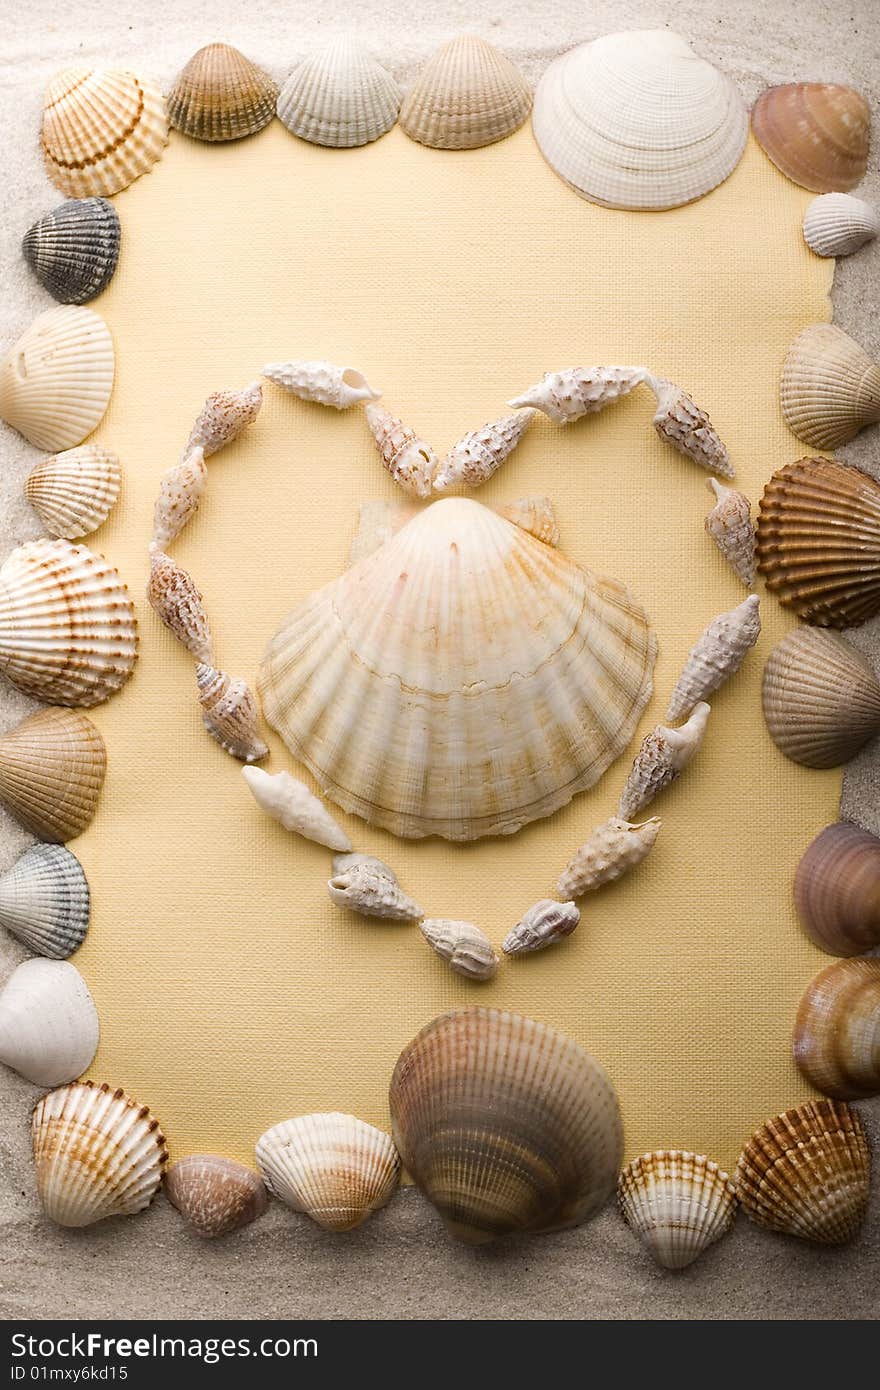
x: 339, y: 97
x: 836, y: 224
x: 55, y: 381
x: 48, y: 1022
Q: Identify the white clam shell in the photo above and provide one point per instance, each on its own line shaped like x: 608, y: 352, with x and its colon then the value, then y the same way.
x: 296, y: 808
x: 568, y: 394
x: 334, y: 1167
x: 475, y: 458
x: 48, y: 1022
x: 101, y: 130
x: 180, y: 492
x: 45, y: 901
x: 730, y: 525
x: 679, y: 421
x: 339, y: 97
x: 74, y: 492
x: 612, y: 849
x: 678, y: 1203
x: 55, y: 382
x: 716, y: 656
x: 366, y: 885
x: 411, y: 462
x: 836, y: 224
x: 464, y: 945
x: 663, y: 756
x: 545, y: 923
x: 230, y: 713
x: 467, y: 95
x: 325, y: 383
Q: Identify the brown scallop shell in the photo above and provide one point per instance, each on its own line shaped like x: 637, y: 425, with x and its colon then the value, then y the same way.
x: 221, y: 95
x: 821, y: 699
x: 817, y: 133
x: 215, y: 1195
x: 837, y: 890
x: 837, y: 1029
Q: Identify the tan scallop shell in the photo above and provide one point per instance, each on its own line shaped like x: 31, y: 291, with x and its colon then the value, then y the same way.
x: 97, y: 1154
x: 821, y: 699
x: 45, y: 901
x: 223, y: 417
x: 55, y: 382
x: 662, y: 757
x: 679, y: 421
x: 837, y: 890
x: 462, y: 680
x: 180, y: 492
x: 830, y: 387
x: 339, y: 97
x: 730, y: 525
x: 214, y: 1195
x: 73, y: 493
x: 221, y: 95
x: 335, y: 1168
x: 467, y: 95
x: 716, y: 656
x: 230, y: 713
x: 678, y: 1203
x: 52, y: 768
x: 475, y: 458
x: 48, y: 1022
x: 607, y: 854
x: 837, y: 1029
x: 464, y: 945
x: 807, y: 1173
x: 410, y: 461
x: 576, y: 391
x: 173, y: 595
x: 817, y: 133
x: 545, y: 923
x: 101, y: 130
x: 837, y: 224
x: 507, y: 1125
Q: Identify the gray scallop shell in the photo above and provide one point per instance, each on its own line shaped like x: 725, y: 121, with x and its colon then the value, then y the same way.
x: 44, y: 901
x: 74, y: 249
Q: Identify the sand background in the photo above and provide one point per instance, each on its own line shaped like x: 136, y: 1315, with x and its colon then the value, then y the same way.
x: 400, y: 1265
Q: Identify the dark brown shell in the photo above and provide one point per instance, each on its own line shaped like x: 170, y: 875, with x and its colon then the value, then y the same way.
x: 837, y: 890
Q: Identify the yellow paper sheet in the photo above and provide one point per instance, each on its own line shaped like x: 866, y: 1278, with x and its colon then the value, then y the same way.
x: 231, y: 992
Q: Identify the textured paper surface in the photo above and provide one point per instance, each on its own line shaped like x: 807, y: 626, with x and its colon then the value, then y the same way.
x: 231, y: 992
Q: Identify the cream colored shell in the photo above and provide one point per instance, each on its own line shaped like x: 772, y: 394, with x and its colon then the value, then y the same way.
x: 836, y: 224
x: 612, y: 849
x: 476, y: 457
x: 467, y: 95
x: 716, y: 656
x: 334, y: 1167
x: 223, y: 417
x: 679, y: 421
x: 73, y: 493
x: 545, y: 923
x: 339, y: 97
x: 324, y: 383
x: 101, y: 130
x: 830, y: 387
x: 464, y: 945
x: 678, y: 1203
x: 55, y: 382
x: 175, y: 599
x: 230, y: 713
x: 48, y: 1022
x: 411, y: 462
x: 663, y: 756
x: 366, y: 885
x: 575, y: 391
x: 535, y: 515
x: 180, y: 492
x: 292, y: 804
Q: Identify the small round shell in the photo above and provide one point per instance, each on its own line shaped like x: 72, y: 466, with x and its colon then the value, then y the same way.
x: 73, y: 493
x: 48, y: 1022
x: 678, y: 1203
x: 612, y: 849
x: 543, y: 925
x: 837, y: 890
x: 334, y: 1167
x: 837, y: 224
x: 464, y: 945
x: 45, y: 901
x: 817, y: 133
x: 214, y: 1195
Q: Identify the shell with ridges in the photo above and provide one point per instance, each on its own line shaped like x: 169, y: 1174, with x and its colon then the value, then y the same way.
x: 466, y: 96
x: 478, y: 455
x: 679, y: 421
x: 174, y: 597
x: 322, y: 382
x: 730, y: 525
x: 180, y: 492
x: 73, y: 250
x: 55, y: 381
x: 230, y: 713
x: 101, y: 130
x: 74, y: 492
x: 575, y: 391
x: 820, y: 697
x: 215, y: 1195
x: 366, y: 885
x: 334, y: 1167
x: 97, y: 1154
x: 716, y: 656
x: 506, y: 1125
x: 464, y: 945
x: 836, y: 224
x: 339, y: 97
x: 837, y: 890
x: 830, y: 387
x: 48, y: 1022
x: 612, y: 849
x: 52, y: 768
x: 45, y: 901
x: 837, y: 1029
x: 223, y: 417
x: 678, y: 1203
x: 817, y: 133
x: 221, y: 95
x: 296, y: 808
x: 410, y: 461
x: 535, y: 515
x: 545, y: 923
x: 663, y: 756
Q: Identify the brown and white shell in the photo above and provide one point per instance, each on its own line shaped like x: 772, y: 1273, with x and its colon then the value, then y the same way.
x: 663, y: 756
x: 678, y: 1203
x: 334, y: 1167
x: 545, y: 923
x: 230, y: 713
x: 821, y: 699
x: 52, y: 768
x: 612, y: 849
x: 180, y: 492
x: 679, y: 421
x: 410, y: 461
x: 730, y: 525
x: 368, y: 886
x: 223, y: 417
x: 74, y: 492
x: 174, y: 597
x: 575, y: 391
x: 467, y: 95
x: 837, y: 890
x: 215, y: 1195
x: 817, y: 133
x: 837, y: 1029
x: 221, y: 95
x: 101, y: 130
x: 716, y: 656
x: 830, y: 388
x: 464, y: 945
x: 296, y: 808
x: 475, y: 458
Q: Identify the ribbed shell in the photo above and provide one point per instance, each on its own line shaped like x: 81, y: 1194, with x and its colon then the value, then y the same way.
x: 45, y: 901
x: 836, y: 224
x: 729, y: 523
x: 463, y: 945
x: 411, y: 462
x: 52, y: 768
x: 637, y: 120
x: 221, y: 95
x: 74, y: 249
x: 545, y: 923
x: 97, y: 1154
x: 817, y: 133
x: 101, y: 130
x: 467, y: 95
x: 462, y: 680
x: 55, y: 382
x: 837, y: 1030
x: 837, y: 890
x: 339, y: 97
x: 821, y: 699
x: 476, y: 457
x: 335, y: 1168
x: 507, y: 1125
x: 324, y: 383
x: 678, y: 1203
x: 215, y: 1195
x: 48, y: 1022
x: 535, y: 515
x: 830, y: 388
x: 807, y: 1173
x: 230, y: 714
x: 173, y: 595
x: 74, y: 492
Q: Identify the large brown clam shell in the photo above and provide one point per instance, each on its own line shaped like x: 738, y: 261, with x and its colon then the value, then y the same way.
x: 837, y: 890
x: 817, y: 133
x: 837, y: 1029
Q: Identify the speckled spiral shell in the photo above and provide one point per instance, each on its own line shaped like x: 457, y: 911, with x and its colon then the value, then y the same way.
x: 73, y: 250
x: 215, y: 1195
x: 817, y: 133
x: 48, y: 1022
x: 101, y: 130
x: 339, y: 97
x: 663, y: 756
x: 836, y: 224
x: 534, y: 515
x: 837, y: 890
x: 410, y: 461
x: 464, y: 945
x: 174, y: 597
x: 52, y: 768
x: 837, y: 1029
x: 467, y: 95
x: 223, y: 417
x: 730, y: 525
x: 180, y: 492
x: 820, y: 697
x: 545, y: 923
x: 830, y: 387
x: 324, y: 383
x: 716, y: 656
x: 221, y: 95
x: 679, y: 421
x: 230, y: 713
x: 55, y: 382
x: 678, y: 1203
x: 73, y: 493
x: 612, y: 849
x: 576, y: 391
x: 45, y: 901
x: 475, y: 458
x: 296, y: 808
x: 366, y: 885
x: 335, y: 1168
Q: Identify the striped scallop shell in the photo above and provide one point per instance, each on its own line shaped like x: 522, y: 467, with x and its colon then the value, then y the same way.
x: 74, y: 249
x: 339, y: 97
x: 467, y: 95
x: 221, y: 95
x: 817, y: 133
x: 55, y: 382
x: 821, y: 699
x: 74, y: 492
x: 678, y: 1203
x: 830, y: 387
x: 101, y: 130
x: 837, y: 1029
x: 837, y: 890
x: 836, y: 224
x: 335, y: 1168
x: 52, y: 768
x: 48, y: 1022
x: 45, y: 901
x: 215, y: 1195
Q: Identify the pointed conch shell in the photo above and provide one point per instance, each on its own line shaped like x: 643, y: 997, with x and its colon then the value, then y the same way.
x: 97, y: 1154
x: 52, y: 768
x: 467, y: 95
x: 101, y: 130
x: 229, y: 713
x: 575, y: 391
x: 821, y: 699
x: 48, y: 1022
x: 730, y: 525
x: 678, y: 1203
x: 322, y: 382
x: 817, y: 133
x: 837, y: 890
x: 68, y: 633
x: 716, y: 656
x: 663, y: 756
x: 681, y: 423
x: 55, y: 382
x: 214, y: 1195
x: 534, y: 515
x: 339, y: 97
x: 292, y: 804
x: 221, y: 95
x: 837, y: 1030
x: 368, y: 886
x: 475, y: 458
x: 174, y: 596
x: 505, y: 1124
x: 73, y: 493
x: 638, y: 120
x: 410, y: 461
x: 830, y: 387
x: 807, y: 1173
x: 73, y: 250
x: 180, y: 492
x: 464, y: 945
x: 543, y: 925
x: 836, y: 224
x: 45, y: 901
x: 223, y: 417
x: 612, y: 849
x: 335, y: 1168
x: 462, y: 680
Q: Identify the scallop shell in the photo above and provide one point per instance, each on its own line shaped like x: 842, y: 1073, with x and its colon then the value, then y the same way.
x: 45, y: 901
x: 464, y: 945
x: 534, y: 515
x: 663, y: 756
x: 52, y: 768
x: 681, y: 423
x: 335, y: 1168
x: 73, y: 250
x: 101, y: 130
x: 817, y: 133
x: 716, y: 656
x: 821, y: 699
x: 807, y: 1173
x: 48, y: 1022
x: 637, y: 120
x: 180, y: 492
x: 730, y: 525
x: 461, y: 681
x: 97, y: 1154
x: 819, y: 541
x: 575, y: 391
x: 230, y: 713
x: 612, y: 849
x: 339, y: 97
x: 55, y: 382
x: 836, y: 224
x: 467, y: 95
x: 837, y: 1029
x: 292, y: 804
x: 475, y: 458
x: 221, y: 95
x: 223, y: 417
x: 174, y: 596
x: 214, y: 1195
x: 830, y: 388
x: 73, y: 493
x: 837, y: 890
x: 678, y: 1203
x: 322, y: 382
x: 68, y: 633
x: 368, y: 886
x: 377, y: 523
x: 505, y: 1124
x: 543, y: 925
x: 410, y: 461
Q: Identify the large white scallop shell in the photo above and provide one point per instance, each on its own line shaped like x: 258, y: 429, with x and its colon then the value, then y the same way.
x: 45, y: 901
x: 339, y: 97
x: 48, y: 1022
x: 836, y: 224
x: 334, y: 1167
x: 101, y: 130
x: 55, y: 382
x: 467, y: 95
x: 74, y: 492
